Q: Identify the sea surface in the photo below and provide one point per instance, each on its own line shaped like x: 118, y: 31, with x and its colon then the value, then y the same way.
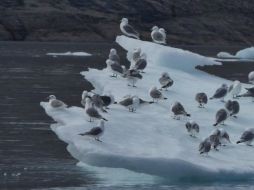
x: 31, y: 155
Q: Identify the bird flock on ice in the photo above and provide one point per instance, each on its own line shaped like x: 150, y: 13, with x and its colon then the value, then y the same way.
x: 96, y: 104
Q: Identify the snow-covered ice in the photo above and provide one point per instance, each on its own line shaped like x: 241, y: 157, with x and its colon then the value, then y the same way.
x: 69, y: 54
x: 150, y: 141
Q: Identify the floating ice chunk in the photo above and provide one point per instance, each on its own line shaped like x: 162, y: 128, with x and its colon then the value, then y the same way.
x: 69, y: 54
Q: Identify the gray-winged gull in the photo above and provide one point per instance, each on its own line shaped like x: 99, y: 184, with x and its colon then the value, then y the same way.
x: 91, y: 112
x: 221, y: 117
x: 165, y: 81
x: 115, y: 68
x: 157, y: 36
x: 192, y: 128
x: 233, y: 107
x: 132, y: 77
x: 235, y: 88
x: 127, y: 29
x: 178, y: 110
x: 136, y: 55
x: 202, y: 99
x: 205, y: 146
x: 141, y: 63
x: 220, y: 93
x: 156, y: 94
x: 55, y: 103
x: 249, y: 93
x: 247, y: 137
x: 113, y: 56
x: 95, y: 132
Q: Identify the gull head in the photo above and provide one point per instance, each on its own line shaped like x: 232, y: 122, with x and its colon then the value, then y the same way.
x: 124, y: 20
x: 155, y: 28
x: 113, y: 51
x: 52, y: 97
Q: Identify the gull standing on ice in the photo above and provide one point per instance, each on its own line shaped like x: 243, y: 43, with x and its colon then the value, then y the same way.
x: 98, y: 102
x: 224, y: 137
x: 91, y: 112
x: 249, y: 93
x: 164, y: 34
x: 202, y: 99
x: 233, y: 107
x: 115, y: 68
x: 205, y: 146
x: 192, y: 128
x: 132, y: 76
x: 55, y: 103
x: 165, y: 81
x: 96, y: 132
x: 158, y: 36
x: 247, y: 137
x: 141, y: 63
x: 127, y: 29
x: 215, y: 139
x: 251, y: 77
x: 136, y: 55
x: 113, y: 56
x: 235, y: 88
x: 130, y: 102
x: 221, y: 116
x: 220, y: 93
x: 156, y: 94
x: 178, y: 110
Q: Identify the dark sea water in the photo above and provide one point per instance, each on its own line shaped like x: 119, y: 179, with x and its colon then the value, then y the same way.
x: 31, y: 155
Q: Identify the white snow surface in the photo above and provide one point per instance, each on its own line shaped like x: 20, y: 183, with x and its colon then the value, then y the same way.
x: 70, y: 54
x: 150, y: 141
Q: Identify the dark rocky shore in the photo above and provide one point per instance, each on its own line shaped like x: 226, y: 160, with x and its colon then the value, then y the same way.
x: 189, y: 22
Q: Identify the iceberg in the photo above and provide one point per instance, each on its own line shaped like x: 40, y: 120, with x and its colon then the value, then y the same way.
x: 150, y: 141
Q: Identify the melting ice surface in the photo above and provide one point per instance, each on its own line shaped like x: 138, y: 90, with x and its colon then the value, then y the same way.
x: 149, y: 141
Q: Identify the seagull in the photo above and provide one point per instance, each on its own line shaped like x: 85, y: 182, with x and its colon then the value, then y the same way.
x: 251, y: 77
x: 163, y: 32
x: 132, y: 76
x: 178, y: 110
x: 115, y: 68
x: 215, y: 139
x: 108, y: 100
x: 91, y: 112
x: 233, y: 107
x: 165, y: 81
x: 141, y: 63
x: 136, y: 55
x: 96, y: 132
x: 249, y: 93
x: 192, y: 128
x: 157, y: 36
x: 202, y: 99
x: 220, y: 93
x: 127, y: 29
x: 85, y: 94
x: 130, y: 102
x: 98, y: 102
x: 113, y: 56
x: 224, y: 136
x: 235, y: 88
x: 247, y: 137
x: 205, y: 146
x: 221, y: 116
x: 156, y: 94
x: 55, y: 103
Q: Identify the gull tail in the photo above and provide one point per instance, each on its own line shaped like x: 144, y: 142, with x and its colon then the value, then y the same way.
x: 104, y: 119
x: 215, y: 124
x: 238, y: 142
x: 211, y: 98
